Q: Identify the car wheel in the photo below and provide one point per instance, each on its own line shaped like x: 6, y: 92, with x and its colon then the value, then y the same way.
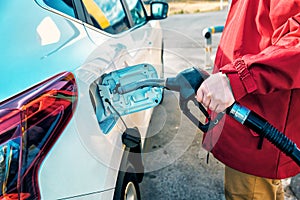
x: 127, y: 187
x: 131, y: 187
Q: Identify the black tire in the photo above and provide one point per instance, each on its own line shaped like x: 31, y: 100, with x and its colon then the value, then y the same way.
x: 127, y: 186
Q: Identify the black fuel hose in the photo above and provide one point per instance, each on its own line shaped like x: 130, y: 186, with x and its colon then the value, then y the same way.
x: 262, y: 127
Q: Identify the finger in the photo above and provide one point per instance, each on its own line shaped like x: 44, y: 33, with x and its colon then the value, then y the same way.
x: 206, y: 100
x: 200, y: 95
x: 219, y: 109
x: 213, y: 106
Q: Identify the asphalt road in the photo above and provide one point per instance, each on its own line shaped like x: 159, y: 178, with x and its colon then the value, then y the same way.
x: 176, y: 165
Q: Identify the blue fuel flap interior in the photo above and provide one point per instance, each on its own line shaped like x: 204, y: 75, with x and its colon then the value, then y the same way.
x: 116, y: 104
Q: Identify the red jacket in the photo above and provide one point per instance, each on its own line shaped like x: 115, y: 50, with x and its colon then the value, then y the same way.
x: 260, y: 53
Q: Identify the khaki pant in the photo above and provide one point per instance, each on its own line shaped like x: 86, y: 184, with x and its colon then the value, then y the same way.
x: 240, y: 186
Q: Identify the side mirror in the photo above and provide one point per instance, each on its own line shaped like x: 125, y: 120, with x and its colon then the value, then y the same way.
x: 159, y: 10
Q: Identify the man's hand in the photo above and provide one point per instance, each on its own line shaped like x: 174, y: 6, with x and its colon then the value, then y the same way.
x: 215, y: 93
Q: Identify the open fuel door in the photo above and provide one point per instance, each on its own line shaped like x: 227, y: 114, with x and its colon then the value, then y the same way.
x: 109, y: 104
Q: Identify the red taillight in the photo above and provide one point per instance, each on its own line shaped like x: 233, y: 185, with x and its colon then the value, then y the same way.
x: 30, y: 123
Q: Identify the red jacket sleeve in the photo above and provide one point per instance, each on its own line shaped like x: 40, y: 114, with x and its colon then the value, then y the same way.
x: 277, y: 67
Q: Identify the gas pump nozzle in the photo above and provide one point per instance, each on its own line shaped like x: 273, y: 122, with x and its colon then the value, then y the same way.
x: 187, y: 83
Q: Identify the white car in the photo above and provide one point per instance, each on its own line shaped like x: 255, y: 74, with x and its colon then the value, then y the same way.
x: 65, y: 131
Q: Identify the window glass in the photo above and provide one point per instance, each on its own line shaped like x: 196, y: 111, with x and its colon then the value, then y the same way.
x: 107, y: 15
x: 65, y: 6
x: 137, y: 11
